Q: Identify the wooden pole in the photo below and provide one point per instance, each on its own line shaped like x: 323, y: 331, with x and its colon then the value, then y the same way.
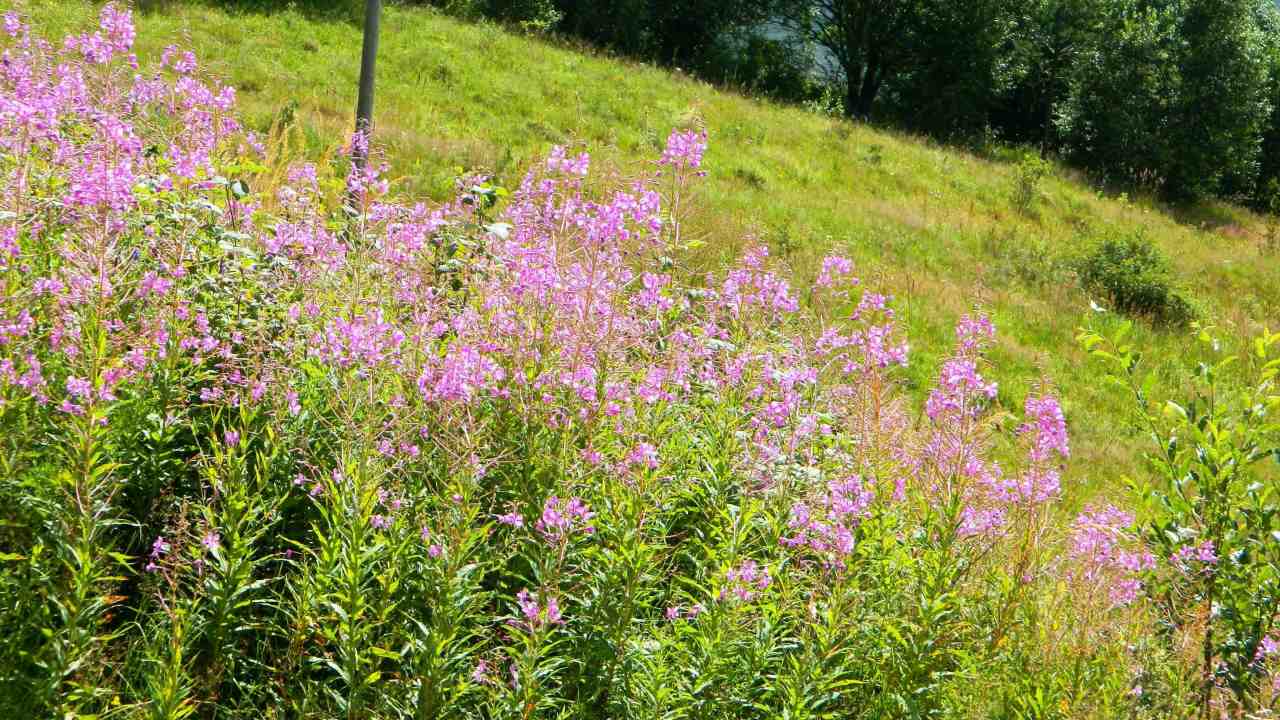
x: 368, y: 56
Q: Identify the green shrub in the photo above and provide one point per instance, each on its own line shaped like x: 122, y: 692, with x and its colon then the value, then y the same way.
x: 1028, y: 260
x: 530, y: 15
x: 1030, y: 171
x: 1137, y: 279
x: 1211, y: 516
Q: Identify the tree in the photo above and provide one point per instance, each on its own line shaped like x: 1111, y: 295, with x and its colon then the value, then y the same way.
x: 862, y: 42
x: 684, y: 33
x: 1123, y: 99
x: 955, y: 66
x: 1223, y: 106
x: 1266, y: 186
x: 1047, y: 42
x: 1173, y: 95
x: 940, y: 62
x: 623, y: 26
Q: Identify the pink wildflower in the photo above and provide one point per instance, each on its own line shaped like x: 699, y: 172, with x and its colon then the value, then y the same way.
x: 684, y: 149
x: 743, y: 581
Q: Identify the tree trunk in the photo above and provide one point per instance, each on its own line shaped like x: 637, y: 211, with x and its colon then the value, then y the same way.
x: 862, y: 84
x: 851, y: 100
x: 853, y: 92
x: 870, y: 88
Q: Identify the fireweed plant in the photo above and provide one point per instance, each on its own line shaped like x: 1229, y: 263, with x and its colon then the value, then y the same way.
x: 311, y: 452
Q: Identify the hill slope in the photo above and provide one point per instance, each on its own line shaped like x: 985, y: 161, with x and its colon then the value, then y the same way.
x: 936, y: 226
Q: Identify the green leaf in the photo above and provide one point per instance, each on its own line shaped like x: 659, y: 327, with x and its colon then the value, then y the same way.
x: 384, y: 653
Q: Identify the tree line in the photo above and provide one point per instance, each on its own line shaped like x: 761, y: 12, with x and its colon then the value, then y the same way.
x: 1177, y: 96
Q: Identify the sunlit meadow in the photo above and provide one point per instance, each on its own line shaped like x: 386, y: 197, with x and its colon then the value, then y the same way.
x: 277, y: 442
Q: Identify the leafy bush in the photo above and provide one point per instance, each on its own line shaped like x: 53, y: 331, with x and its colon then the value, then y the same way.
x: 1136, y: 278
x: 531, y: 15
x: 1031, y: 169
x: 1211, y: 517
x: 1029, y: 261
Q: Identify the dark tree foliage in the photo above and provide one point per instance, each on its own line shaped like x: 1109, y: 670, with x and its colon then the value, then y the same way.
x: 1176, y: 95
x: 1046, y: 44
x: 863, y: 42
x: 683, y: 33
x: 1172, y: 95
x: 766, y: 65
x: 931, y: 65
x: 1265, y: 190
x: 954, y: 67
x: 1119, y: 113
x: 610, y: 23
x: 1223, y: 104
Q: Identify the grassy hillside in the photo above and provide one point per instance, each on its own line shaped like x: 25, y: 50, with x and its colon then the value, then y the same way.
x: 937, y: 226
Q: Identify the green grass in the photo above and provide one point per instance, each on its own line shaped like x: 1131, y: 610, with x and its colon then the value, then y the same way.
x: 935, y: 225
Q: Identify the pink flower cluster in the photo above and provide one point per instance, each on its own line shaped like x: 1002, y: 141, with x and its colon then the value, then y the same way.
x: 1040, y: 482
x: 364, y: 341
x: 961, y: 391
x: 1201, y: 557
x: 956, y: 454
x: 745, y: 580
x: 835, y: 268
x: 1107, y: 555
x: 159, y: 549
x: 86, y: 122
x: 538, y: 614
x: 684, y: 149
x: 675, y: 612
x: 564, y: 517
x: 828, y: 525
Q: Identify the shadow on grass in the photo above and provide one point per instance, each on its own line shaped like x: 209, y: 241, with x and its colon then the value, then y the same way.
x: 1205, y: 215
